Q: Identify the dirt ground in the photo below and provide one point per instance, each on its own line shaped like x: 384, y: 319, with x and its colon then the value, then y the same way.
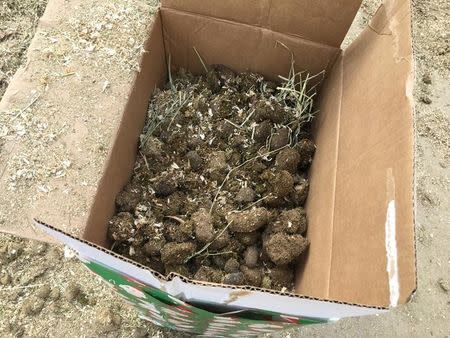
x: 54, y: 137
x: 18, y: 21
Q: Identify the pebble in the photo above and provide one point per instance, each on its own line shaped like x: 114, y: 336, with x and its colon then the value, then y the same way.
x: 5, y: 279
x: 108, y: 320
x: 444, y: 284
x: 426, y: 99
x: 32, y: 306
x: 427, y: 79
x: 72, y: 291
x: 13, y: 295
x: 38, y: 248
x: 55, y: 294
x: 217, y: 165
x: 140, y: 332
x: 55, y: 254
x: 43, y: 292
x: 3, y: 252
x: 14, y: 251
x: 31, y: 275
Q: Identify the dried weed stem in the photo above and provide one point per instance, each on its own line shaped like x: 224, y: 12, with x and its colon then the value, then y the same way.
x: 208, y: 244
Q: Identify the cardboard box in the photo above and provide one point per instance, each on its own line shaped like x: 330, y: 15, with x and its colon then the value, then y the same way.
x: 361, y: 203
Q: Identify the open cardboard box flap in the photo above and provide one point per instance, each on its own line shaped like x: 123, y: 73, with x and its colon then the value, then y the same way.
x: 360, y: 207
x: 362, y: 176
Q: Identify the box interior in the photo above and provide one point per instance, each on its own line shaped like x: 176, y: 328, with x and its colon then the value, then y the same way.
x: 360, y: 205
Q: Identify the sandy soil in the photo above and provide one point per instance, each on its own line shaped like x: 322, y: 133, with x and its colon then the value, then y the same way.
x: 18, y: 21
x: 52, y: 153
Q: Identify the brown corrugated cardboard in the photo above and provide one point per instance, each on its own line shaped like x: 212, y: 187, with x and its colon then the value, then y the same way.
x: 360, y: 205
x: 313, y: 274
x: 364, y: 135
x: 320, y: 21
x: 374, y: 166
x: 220, y: 42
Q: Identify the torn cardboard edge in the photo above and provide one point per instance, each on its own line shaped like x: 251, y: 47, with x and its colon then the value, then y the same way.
x: 209, y: 293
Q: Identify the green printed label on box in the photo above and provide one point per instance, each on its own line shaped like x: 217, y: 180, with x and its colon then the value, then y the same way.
x: 167, y: 311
